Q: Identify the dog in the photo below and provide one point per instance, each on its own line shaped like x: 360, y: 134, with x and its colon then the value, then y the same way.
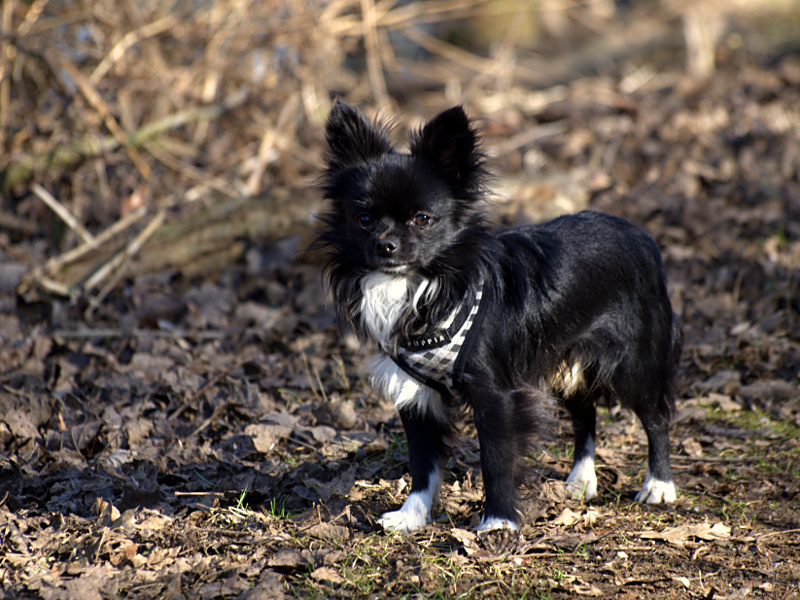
x: 469, y: 315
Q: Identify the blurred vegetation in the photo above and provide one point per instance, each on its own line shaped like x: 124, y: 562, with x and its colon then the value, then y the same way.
x: 120, y: 109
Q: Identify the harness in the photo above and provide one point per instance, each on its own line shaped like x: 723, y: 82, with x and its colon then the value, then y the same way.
x: 437, y: 359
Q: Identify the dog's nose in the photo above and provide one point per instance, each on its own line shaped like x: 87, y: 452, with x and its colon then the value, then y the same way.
x: 387, y: 247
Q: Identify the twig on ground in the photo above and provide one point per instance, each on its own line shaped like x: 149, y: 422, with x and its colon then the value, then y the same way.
x: 64, y: 214
x: 776, y: 533
x: 15, y: 223
x: 41, y: 276
x: 129, y: 251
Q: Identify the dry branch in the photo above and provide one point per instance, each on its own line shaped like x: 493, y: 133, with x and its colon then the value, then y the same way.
x: 199, y: 245
x: 129, y: 40
x: 63, y: 213
x: 99, y: 104
x: 22, y: 169
x: 230, y: 98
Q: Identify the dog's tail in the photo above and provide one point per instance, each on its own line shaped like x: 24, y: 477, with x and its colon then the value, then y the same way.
x: 675, y: 359
x: 534, y: 421
x: 535, y: 427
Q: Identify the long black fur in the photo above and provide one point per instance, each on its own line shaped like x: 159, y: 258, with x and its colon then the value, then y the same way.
x: 586, y: 289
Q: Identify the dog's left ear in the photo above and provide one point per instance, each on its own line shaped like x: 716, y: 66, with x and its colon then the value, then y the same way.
x: 451, y: 144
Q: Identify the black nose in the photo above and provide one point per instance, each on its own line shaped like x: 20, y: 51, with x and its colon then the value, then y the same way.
x: 387, y: 247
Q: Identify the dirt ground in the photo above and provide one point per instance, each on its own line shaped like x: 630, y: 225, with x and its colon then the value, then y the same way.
x: 215, y: 437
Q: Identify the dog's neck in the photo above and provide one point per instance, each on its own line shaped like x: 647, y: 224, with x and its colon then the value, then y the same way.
x: 386, y: 299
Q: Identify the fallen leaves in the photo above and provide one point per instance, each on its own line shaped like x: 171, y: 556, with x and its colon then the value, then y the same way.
x: 685, y: 535
x: 267, y: 435
x: 583, y: 520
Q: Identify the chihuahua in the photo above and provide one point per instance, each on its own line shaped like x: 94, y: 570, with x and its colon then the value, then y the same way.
x: 467, y: 315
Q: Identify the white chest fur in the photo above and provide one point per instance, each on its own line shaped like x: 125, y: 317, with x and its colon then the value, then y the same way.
x: 385, y: 298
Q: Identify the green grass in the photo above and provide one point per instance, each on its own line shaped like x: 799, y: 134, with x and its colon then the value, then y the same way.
x: 375, y: 565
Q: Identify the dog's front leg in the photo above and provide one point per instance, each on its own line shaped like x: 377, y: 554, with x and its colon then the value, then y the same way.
x: 425, y: 454
x: 498, y: 464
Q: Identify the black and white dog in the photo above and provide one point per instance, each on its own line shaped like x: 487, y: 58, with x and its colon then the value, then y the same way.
x: 467, y: 315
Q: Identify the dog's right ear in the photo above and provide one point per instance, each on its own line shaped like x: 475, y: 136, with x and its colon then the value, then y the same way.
x: 352, y: 138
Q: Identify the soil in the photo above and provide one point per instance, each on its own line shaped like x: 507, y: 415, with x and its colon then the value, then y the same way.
x: 216, y: 437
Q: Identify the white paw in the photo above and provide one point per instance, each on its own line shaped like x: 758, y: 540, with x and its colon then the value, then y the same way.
x: 655, y: 491
x: 493, y: 523
x: 415, y: 513
x: 401, y: 521
x: 582, y: 481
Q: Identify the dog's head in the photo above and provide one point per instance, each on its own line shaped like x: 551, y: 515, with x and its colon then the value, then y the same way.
x: 395, y: 212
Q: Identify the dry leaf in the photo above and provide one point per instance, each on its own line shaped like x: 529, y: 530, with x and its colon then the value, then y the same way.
x: 328, y: 575
x: 287, y: 557
x: 266, y: 436
x: 329, y: 532
x: 679, y: 536
x: 567, y: 518
x: 468, y: 539
x: 684, y: 581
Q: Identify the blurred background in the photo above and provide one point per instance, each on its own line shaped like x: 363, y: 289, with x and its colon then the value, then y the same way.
x: 151, y: 135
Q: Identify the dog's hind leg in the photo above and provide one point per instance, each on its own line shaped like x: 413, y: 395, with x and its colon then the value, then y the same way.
x: 658, y: 485
x: 582, y: 480
x: 424, y: 434
x: 655, y: 410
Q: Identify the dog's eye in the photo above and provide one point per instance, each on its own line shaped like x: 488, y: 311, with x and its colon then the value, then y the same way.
x: 364, y: 219
x: 421, y: 220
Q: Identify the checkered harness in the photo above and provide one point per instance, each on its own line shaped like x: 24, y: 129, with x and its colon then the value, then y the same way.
x: 436, y: 359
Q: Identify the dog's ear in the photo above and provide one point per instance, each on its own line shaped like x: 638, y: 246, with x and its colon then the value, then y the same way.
x: 451, y: 144
x: 352, y: 138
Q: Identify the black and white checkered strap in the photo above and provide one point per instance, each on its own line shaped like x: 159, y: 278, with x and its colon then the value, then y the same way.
x: 432, y: 358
